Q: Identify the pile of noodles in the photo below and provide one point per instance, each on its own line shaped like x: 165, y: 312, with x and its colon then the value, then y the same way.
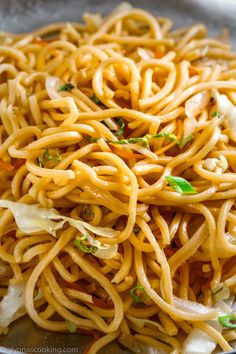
x: 95, y: 236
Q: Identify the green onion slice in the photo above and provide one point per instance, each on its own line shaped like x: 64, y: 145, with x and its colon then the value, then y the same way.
x: 86, y: 249
x: 138, y: 298
x: 183, y: 142
x: 67, y: 87
x: 225, y: 321
x: 180, y: 185
x: 121, y: 124
x: 121, y: 129
x: 92, y: 139
x: 71, y: 326
x: 144, y: 140
x: 216, y: 114
x: 49, y: 155
x: 96, y: 100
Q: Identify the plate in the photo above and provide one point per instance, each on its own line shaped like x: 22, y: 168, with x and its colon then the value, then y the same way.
x: 24, y: 15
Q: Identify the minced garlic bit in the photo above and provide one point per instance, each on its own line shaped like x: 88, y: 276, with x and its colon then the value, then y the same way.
x: 212, y: 163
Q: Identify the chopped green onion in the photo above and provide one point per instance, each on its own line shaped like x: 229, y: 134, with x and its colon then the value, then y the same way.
x: 144, y: 140
x: 121, y: 123
x: 137, y: 298
x: 96, y: 100
x: 185, y: 141
x: 128, y: 141
x: 92, y: 139
x: 49, y: 155
x: 71, y: 326
x: 220, y: 116
x: 216, y: 114
x: 66, y: 87
x: 180, y: 185
x: 86, y: 249
x: 225, y: 321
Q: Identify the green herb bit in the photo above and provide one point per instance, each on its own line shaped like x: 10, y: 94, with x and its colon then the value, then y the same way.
x: 145, y: 140
x: 215, y: 114
x: 49, y: 155
x: 226, y: 321
x: 67, y: 87
x: 92, y: 139
x: 128, y: 141
x: 71, y: 326
x: 121, y: 123
x: 180, y: 185
x: 52, y: 155
x: 138, y: 298
x: 86, y: 249
x: 96, y: 100
x: 183, y: 142
x: 220, y: 117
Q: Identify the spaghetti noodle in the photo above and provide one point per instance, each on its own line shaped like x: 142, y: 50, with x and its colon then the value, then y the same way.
x: 118, y: 185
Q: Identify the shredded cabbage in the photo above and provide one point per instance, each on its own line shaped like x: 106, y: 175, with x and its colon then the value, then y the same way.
x: 11, y: 303
x: 52, y: 84
x: 104, y: 251
x: 139, y: 322
x: 32, y: 218
x: 196, y: 104
x: 227, y: 109
x: 197, y: 342
x: 101, y: 231
x: 223, y: 294
x: 191, y: 306
x: 190, y: 125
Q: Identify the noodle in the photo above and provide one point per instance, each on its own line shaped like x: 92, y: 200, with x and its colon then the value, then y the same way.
x: 117, y: 163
